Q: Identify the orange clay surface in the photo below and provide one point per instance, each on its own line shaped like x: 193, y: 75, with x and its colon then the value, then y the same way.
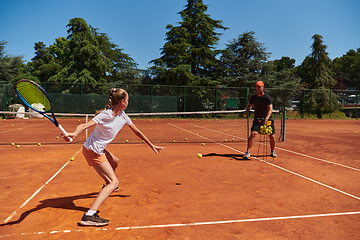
x: 311, y: 191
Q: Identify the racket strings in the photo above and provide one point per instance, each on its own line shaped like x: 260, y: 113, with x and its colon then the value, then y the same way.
x: 34, y: 96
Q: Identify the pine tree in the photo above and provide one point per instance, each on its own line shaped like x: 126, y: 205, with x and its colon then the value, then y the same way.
x: 317, y: 76
x: 189, y: 55
x: 85, y: 62
x: 244, y: 60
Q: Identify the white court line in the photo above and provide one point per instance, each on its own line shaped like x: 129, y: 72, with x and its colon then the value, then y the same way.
x: 283, y: 149
x: 238, y: 221
x: 35, y: 193
x: 15, y: 129
x: 189, y: 224
x: 274, y: 165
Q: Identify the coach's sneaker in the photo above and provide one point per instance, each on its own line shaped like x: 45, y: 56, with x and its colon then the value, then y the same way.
x: 93, y: 220
x: 247, y: 155
x: 273, y: 153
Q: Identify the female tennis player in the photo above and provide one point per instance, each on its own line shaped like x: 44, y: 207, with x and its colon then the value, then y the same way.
x: 107, y: 124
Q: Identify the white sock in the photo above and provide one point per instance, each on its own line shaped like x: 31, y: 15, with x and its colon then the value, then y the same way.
x: 90, y: 212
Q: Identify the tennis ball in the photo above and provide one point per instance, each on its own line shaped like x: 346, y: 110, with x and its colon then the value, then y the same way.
x: 174, y: 141
x: 143, y: 141
x: 197, y: 134
x: 203, y: 144
x: 72, y: 159
x: 233, y: 139
x: 57, y: 137
x: 355, y: 131
x: 185, y: 139
x: 225, y: 140
x: 12, y: 144
x: 39, y: 144
x: 18, y: 146
x: 199, y: 155
x: 126, y: 140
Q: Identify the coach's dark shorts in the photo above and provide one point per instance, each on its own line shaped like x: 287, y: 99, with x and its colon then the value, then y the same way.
x: 259, y: 122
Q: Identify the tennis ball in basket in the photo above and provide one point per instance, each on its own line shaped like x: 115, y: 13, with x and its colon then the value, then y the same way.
x: 39, y: 144
x: 199, y: 155
x: 72, y: 159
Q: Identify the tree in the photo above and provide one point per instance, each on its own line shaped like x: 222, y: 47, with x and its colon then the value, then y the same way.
x: 189, y: 55
x: 284, y: 63
x: 42, y: 65
x: 10, y: 66
x: 85, y: 63
x: 244, y: 60
x: 316, y: 75
x: 122, y: 66
x: 59, y: 51
x: 280, y: 75
x: 347, y: 68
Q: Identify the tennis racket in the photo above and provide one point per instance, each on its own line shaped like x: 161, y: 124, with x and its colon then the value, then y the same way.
x: 33, y: 94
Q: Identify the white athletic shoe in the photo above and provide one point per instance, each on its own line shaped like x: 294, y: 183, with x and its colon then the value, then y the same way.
x: 247, y: 155
x: 273, y: 153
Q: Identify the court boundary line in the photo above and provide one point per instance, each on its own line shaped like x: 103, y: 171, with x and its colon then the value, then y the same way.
x: 272, y: 164
x: 37, y: 191
x: 187, y: 224
x: 290, y: 151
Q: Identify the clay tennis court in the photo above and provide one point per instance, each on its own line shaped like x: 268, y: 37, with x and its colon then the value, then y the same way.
x: 311, y: 191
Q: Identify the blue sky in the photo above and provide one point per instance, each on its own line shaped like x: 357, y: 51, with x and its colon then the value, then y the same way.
x: 139, y: 26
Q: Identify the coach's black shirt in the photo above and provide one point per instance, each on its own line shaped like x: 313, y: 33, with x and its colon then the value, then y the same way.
x: 260, y: 105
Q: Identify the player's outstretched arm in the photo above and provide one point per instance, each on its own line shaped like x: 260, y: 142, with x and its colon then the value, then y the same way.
x: 79, y: 129
x: 142, y: 136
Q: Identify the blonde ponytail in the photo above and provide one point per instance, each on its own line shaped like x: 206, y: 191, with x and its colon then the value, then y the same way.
x: 115, y: 97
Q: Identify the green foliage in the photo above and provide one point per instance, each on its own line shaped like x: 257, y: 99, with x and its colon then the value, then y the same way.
x: 316, y: 74
x: 43, y: 65
x: 85, y: 64
x: 122, y: 66
x: 59, y: 51
x: 10, y: 66
x: 323, y: 100
x: 244, y: 60
x: 347, y: 69
x: 188, y: 57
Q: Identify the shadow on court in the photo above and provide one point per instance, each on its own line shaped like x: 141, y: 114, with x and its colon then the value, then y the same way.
x: 62, y: 202
x: 237, y: 157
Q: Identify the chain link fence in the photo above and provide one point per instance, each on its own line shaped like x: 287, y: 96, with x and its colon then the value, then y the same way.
x: 87, y: 98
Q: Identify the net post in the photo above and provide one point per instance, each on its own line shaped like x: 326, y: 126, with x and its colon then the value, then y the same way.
x: 86, y: 131
x: 283, y: 130
x: 247, y: 125
x: 356, y: 104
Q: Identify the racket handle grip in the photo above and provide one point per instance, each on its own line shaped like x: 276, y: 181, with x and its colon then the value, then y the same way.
x: 64, y: 132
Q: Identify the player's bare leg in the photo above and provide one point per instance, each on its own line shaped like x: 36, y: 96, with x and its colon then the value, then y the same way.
x: 250, y: 144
